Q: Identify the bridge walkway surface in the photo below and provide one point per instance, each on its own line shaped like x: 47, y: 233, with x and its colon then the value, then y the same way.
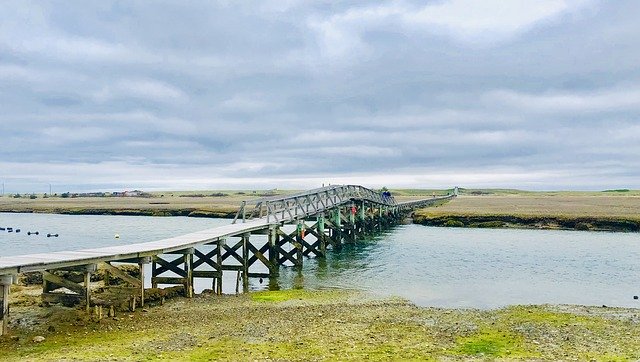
x: 339, y: 214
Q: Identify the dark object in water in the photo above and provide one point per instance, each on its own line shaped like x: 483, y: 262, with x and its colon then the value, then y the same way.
x: 10, y: 230
x: 33, y: 233
x: 52, y: 235
x: 2, y: 229
x: 635, y: 297
x: 17, y: 230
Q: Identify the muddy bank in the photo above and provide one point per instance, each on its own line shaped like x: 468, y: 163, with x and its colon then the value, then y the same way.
x: 530, y: 222
x: 422, y: 217
x: 223, y: 214
x: 300, y: 325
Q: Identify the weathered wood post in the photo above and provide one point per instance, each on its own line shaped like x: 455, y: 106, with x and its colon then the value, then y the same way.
x: 273, y: 251
x: 337, y: 231
x: 141, y: 264
x: 91, y: 268
x: 154, y: 267
x: 188, y: 268
x: 245, y: 262
x: 219, y: 245
x: 298, y: 243
x: 363, y: 219
x: 352, y: 221
x: 321, y: 235
x: 5, y: 286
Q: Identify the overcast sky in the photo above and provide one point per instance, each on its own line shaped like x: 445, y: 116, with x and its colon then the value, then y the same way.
x: 526, y: 94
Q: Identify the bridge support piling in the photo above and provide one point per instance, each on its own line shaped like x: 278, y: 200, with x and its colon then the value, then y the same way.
x: 219, y: 246
x: 245, y: 262
x: 188, y: 267
x: 5, y: 287
x: 274, y: 270
x: 298, y: 245
x: 321, y: 235
x: 141, y: 263
x: 337, y: 228
x: 87, y: 281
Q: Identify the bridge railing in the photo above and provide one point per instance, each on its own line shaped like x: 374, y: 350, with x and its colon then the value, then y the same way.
x: 308, y: 203
x: 424, y: 202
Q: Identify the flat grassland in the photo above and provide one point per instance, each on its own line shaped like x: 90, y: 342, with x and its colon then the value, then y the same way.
x: 301, y: 325
x: 609, y: 211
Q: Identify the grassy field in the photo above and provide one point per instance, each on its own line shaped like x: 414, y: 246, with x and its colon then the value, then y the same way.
x: 299, y: 325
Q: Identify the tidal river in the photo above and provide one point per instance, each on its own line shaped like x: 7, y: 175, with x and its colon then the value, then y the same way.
x: 443, y: 267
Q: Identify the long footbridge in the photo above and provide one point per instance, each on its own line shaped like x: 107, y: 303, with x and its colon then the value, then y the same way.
x: 323, y: 218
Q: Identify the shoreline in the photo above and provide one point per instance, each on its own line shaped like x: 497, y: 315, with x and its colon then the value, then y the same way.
x: 420, y: 217
x: 299, y: 325
x: 543, y: 222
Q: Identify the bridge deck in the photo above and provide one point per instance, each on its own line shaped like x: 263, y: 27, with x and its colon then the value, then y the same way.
x: 61, y: 259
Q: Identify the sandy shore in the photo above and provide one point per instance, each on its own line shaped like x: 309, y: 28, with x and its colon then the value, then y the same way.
x: 299, y: 325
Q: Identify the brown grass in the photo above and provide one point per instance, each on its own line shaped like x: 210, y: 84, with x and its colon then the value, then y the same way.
x: 566, y: 205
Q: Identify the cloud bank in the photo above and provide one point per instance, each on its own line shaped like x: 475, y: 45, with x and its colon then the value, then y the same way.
x: 179, y: 95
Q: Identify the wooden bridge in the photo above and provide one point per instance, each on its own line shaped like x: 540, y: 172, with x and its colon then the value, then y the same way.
x: 324, y: 218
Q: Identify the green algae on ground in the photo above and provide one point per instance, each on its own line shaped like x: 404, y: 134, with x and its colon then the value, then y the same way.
x: 493, y: 343
x: 299, y: 325
x: 275, y: 296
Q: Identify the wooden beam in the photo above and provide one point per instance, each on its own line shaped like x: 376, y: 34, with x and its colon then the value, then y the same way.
x: 61, y: 282
x: 117, y: 272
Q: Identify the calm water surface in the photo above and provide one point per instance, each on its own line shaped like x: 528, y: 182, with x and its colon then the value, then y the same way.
x: 481, y: 268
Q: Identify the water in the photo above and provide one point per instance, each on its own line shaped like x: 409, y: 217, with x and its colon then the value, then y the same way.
x: 443, y: 267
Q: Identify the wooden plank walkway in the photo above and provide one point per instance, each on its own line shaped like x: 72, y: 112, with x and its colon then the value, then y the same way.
x: 62, y: 259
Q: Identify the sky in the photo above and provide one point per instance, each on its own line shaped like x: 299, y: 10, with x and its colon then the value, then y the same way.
x: 188, y: 95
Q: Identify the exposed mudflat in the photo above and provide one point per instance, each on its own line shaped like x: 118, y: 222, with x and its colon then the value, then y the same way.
x: 299, y: 325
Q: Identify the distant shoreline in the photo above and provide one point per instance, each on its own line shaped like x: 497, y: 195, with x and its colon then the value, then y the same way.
x: 544, y: 222
x: 615, y: 210
x: 221, y: 214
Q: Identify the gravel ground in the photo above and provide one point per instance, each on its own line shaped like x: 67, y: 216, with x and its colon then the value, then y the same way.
x: 298, y: 325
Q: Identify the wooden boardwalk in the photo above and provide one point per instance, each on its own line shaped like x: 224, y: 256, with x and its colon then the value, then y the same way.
x: 338, y: 214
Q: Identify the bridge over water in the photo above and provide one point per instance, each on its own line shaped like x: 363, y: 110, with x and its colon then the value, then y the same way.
x: 324, y: 218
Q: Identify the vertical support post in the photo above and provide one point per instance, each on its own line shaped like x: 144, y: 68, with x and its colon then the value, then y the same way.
x: 5, y: 286
x: 298, y: 244
x: 273, y: 251
x: 154, y: 284
x: 219, y: 246
x: 338, y: 224
x: 141, y: 264
x: 87, y: 284
x: 323, y: 241
x: 363, y: 220
x: 245, y: 262
x: 188, y: 268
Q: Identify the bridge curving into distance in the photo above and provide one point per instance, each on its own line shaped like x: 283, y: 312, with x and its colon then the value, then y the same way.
x: 324, y: 218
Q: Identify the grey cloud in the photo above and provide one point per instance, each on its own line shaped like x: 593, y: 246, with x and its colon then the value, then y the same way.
x: 295, y: 93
